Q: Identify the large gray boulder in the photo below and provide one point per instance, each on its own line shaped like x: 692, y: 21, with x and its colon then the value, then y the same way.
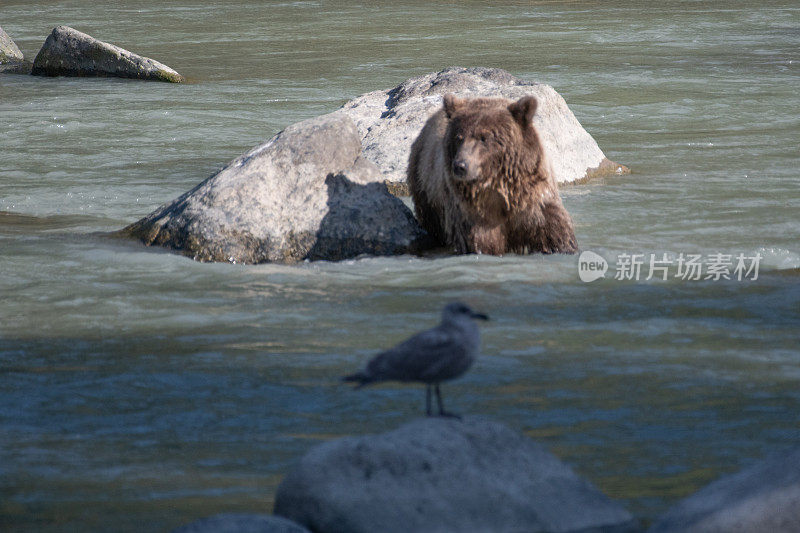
x: 242, y: 523
x: 443, y: 475
x: 11, y: 59
x: 389, y: 121
x: 762, y: 498
x: 305, y: 194
x: 68, y: 52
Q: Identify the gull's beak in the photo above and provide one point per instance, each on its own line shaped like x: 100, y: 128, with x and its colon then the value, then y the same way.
x: 479, y: 315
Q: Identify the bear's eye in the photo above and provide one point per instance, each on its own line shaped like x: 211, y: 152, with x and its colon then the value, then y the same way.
x: 459, y: 137
x: 485, y: 137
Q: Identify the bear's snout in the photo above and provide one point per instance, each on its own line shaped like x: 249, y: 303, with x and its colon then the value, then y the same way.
x: 460, y: 168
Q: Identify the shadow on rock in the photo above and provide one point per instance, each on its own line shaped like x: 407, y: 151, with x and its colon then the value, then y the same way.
x: 305, y: 194
x: 365, y: 219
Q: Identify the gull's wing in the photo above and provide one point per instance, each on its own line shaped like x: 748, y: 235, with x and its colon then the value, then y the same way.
x: 415, y: 358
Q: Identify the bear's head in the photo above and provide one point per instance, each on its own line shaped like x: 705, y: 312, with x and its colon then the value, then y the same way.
x: 490, y: 140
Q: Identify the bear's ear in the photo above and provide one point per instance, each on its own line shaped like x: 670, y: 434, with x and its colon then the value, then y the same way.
x: 523, y: 110
x: 451, y: 104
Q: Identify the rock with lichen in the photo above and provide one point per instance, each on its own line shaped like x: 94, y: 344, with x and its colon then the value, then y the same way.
x: 68, y: 52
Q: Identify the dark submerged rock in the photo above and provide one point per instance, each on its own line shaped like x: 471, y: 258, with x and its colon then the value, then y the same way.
x: 439, y: 474
x: 305, y: 194
x: 68, y: 52
x: 762, y: 498
x: 16, y: 67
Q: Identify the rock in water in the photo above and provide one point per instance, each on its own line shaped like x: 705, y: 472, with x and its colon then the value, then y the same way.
x: 443, y: 475
x: 11, y: 59
x: 242, y: 523
x: 764, y: 497
x: 68, y: 52
x: 389, y: 121
x: 305, y: 194
x: 9, y: 52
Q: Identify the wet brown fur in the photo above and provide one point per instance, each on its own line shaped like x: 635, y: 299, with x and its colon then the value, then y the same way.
x: 507, y: 200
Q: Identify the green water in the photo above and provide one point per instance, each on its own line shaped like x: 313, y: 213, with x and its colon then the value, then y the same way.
x: 141, y: 390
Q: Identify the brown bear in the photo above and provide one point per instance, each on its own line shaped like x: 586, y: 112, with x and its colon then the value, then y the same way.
x: 481, y: 182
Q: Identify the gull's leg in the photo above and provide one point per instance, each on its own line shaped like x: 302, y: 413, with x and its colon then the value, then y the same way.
x: 428, y: 399
x: 442, y: 412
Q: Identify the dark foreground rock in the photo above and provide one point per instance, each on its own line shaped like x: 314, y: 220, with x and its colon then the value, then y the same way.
x: 389, y: 121
x: 443, y: 475
x: 305, y: 194
x: 68, y: 52
x: 11, y: 59
x: 242, y: 523
x: 762, y: 498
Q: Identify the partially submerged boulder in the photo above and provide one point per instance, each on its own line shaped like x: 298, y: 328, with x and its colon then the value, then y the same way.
x: 242, y: 523
x: 438, y: 474
x: 764, y: 497
x: 305, y: 194
x: 318, y: 190
x: 68, y: 52
x: 389, y: 121
x: 11, y: 59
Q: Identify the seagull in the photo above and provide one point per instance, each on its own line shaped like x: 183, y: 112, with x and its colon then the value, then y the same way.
x: 430, y: 357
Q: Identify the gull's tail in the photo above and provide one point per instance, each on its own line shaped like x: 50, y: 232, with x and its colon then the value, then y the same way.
x: 361, y: 379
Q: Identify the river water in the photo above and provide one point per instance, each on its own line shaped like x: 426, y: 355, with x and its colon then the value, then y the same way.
x: 141, y: 390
